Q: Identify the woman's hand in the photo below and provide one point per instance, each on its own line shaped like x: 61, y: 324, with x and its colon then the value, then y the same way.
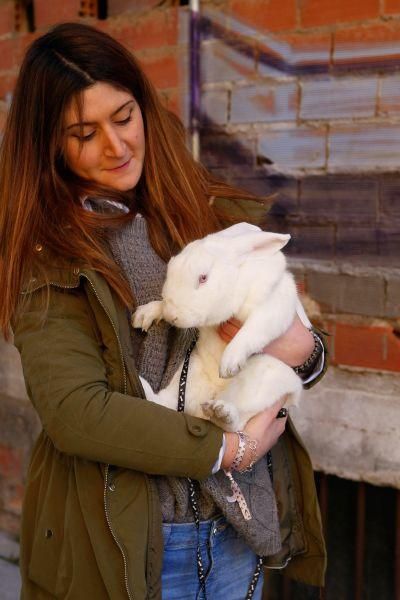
x: 264, y: 427
x: 292, y: 348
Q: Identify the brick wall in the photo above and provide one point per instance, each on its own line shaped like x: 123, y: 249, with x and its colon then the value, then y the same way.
x: 311, y: 94
x: 158, y: 38
x: 300, y: 99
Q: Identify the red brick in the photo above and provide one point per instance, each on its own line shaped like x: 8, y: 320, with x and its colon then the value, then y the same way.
x: 162, y: 70
x: 117, y: 7
x: 3, y: 117
x: 10, y: 462
x: 356, y: 46
x: 12, y: 50
x: 173, y: 101
x: 51, y: 12
x: 14, y: 501
x: 9, y: 53
x: 274, y: 15
x: 156, y: 29
x: 365, y: 346
x: 391, y: 7
x: 25, y: 40
x: 7, y: 17
x: 7, y: 84
x: 327, y: 12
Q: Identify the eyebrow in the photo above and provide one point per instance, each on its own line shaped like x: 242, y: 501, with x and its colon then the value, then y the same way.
x: 93, y: 122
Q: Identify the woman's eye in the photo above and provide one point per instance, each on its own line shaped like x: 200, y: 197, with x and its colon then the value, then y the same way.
x: 125, y: 121
x: 84, y: 138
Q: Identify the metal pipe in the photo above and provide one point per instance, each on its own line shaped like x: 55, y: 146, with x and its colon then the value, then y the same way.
x: 360, y: 543
x: 194, y: 109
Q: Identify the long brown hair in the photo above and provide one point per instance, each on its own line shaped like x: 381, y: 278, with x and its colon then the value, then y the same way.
x: 41, y: 198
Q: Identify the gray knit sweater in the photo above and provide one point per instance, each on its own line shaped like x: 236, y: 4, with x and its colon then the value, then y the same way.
x: 158, y: 354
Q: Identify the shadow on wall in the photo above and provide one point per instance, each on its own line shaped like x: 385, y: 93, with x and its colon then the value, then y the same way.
x: 292, y: 118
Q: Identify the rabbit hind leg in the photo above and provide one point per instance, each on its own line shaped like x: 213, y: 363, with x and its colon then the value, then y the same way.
x: 223, y: 414
x: 263, y: 381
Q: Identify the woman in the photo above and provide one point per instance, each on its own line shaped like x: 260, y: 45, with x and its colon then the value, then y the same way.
x: 88, y: 147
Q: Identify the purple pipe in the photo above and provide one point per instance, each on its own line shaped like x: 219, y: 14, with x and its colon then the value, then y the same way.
x: 194, y: 107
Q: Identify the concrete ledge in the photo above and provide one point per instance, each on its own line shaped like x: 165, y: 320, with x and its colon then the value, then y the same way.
x: 369, y: 287
x: 350, y: 423
x: 9, y: 548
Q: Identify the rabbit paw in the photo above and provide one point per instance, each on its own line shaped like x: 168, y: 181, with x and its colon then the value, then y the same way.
x: 145, y: 315
x: 221, y: 413
x: 231, y: 363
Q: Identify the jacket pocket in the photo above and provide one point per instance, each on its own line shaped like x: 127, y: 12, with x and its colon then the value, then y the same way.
x: 45, y: 559
x: 49, y: 544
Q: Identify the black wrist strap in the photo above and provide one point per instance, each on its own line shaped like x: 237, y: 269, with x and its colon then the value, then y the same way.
x: 309, y: 365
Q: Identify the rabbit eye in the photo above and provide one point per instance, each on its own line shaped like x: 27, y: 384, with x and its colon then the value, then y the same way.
x: 202, y: 278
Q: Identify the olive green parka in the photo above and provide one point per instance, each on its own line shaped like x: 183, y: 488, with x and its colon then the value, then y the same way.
x: 91, y: 524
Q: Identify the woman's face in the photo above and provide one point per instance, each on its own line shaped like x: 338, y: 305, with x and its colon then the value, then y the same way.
x: 111, y: 149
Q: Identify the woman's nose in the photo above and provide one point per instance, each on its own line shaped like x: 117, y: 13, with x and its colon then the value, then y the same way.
x: 114, y: 145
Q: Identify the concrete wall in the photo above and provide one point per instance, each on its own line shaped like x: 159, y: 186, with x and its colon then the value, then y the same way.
x: 351, y: 422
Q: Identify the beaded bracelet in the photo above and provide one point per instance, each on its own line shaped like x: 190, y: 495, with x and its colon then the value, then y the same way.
x: 311, y: 361
x: 237, y: 461
x: 252, y: 445
x: 244, y: 442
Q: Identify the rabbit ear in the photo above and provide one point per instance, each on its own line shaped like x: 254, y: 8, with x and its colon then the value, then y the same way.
x: 237, y: 229
x: 258, y: 242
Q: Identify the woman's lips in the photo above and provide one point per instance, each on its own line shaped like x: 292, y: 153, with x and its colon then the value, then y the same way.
x: 123, y: 166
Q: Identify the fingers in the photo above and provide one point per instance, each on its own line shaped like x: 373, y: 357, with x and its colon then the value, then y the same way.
x: 229, y: 329
x: 278, y: 425
x: 265, y: 427
x: 276, y: 430
x: 272, y: 434
x: 274, y: 409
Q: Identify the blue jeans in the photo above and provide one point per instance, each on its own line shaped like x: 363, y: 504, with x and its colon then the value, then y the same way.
x: 228, y: 562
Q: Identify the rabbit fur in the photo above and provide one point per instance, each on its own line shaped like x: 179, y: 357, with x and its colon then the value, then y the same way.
x: 238, y: 272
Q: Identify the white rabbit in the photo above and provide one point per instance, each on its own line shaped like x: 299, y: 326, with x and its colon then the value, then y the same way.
x: 238, y: 272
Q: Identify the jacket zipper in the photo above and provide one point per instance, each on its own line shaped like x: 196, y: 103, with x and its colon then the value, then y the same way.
x: 124, y: 391
x: 113, y: 534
